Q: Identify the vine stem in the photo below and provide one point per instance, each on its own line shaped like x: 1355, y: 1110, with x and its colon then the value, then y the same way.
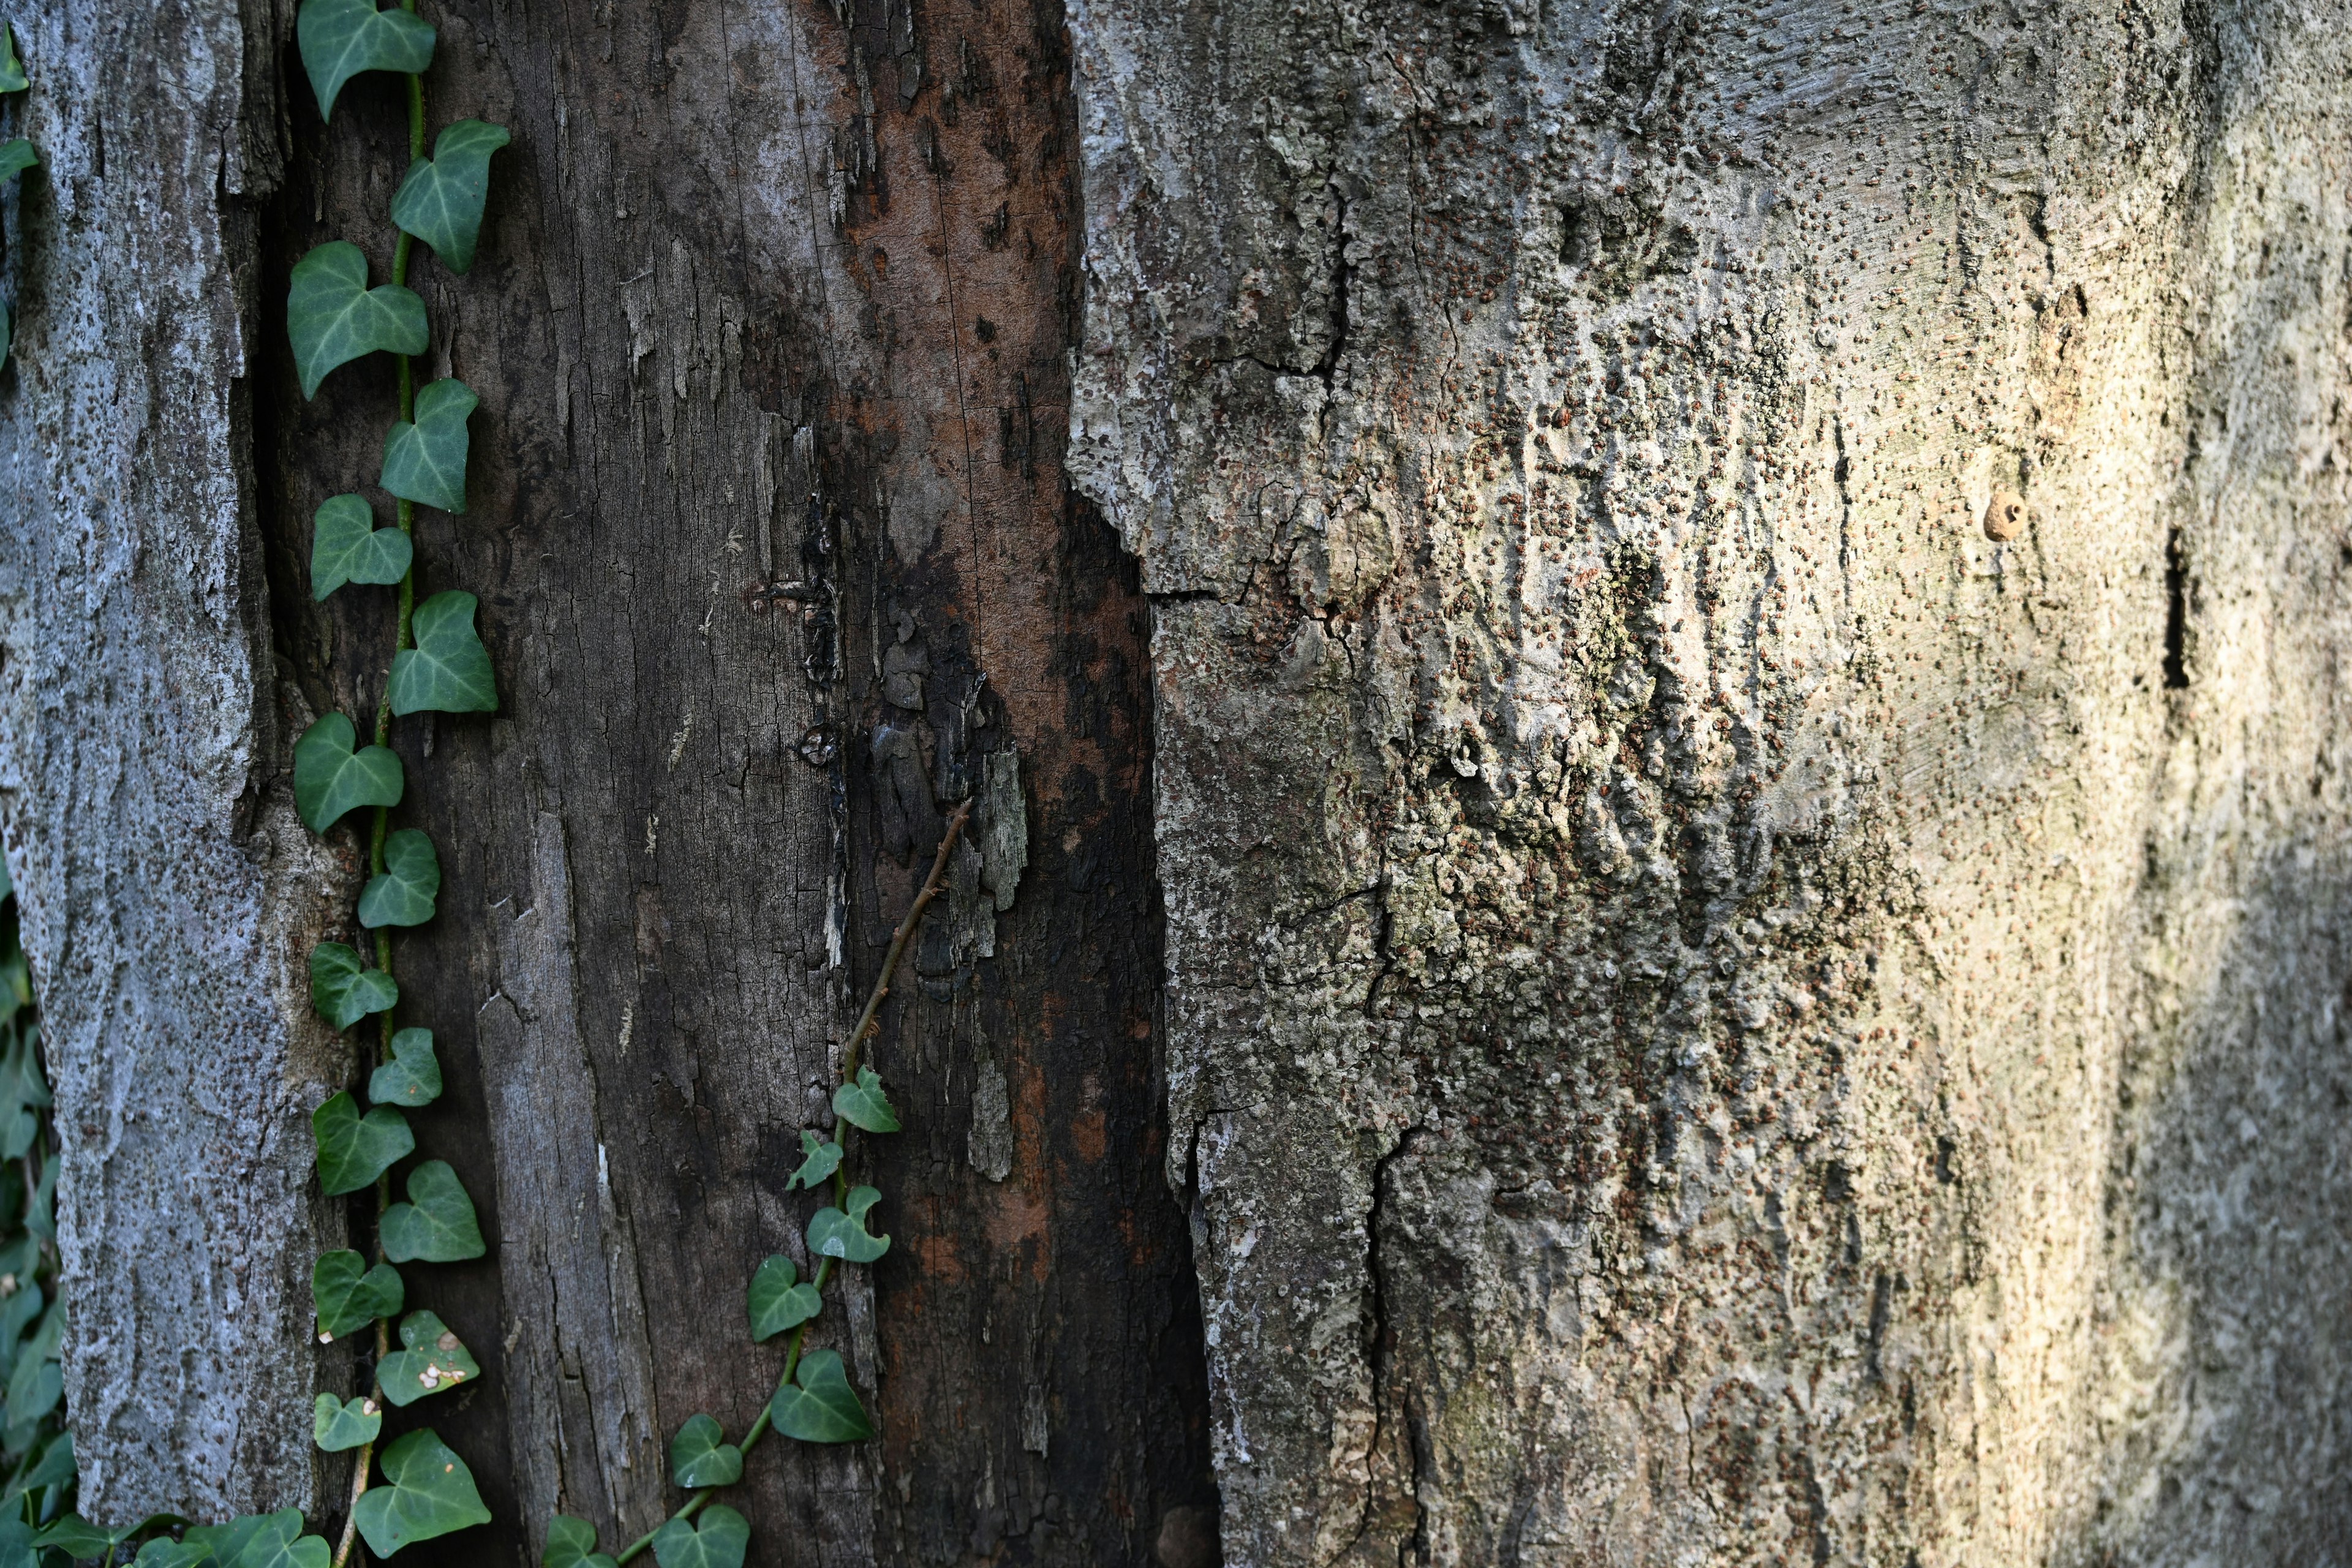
x: 763, y: 1422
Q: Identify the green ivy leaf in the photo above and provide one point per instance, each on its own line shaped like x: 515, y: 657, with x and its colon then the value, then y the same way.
x: 447, y: 670
x: 401, y: 894
x: 337, y: 1425
x: 55, y: 1468
x: 15, y: 157
x: 437, y: 1225
x: 436, y: 1360
x: 348, y: 1295
x: 441, y: 200
x: 431, y: 1492
x: 777, y: 1301
x: 342, y: 991
x: 821, y: 1158
x: 165, y: 1553
x: 341, y: 39
x: 700, y: 1455
x: 334, y: 318
x: 833, y: 1232
x: 12, y: 71
x: 354, y: 1150
x: 413, y: 1077
x: 820, y: 1407
x: 262, y: 1541
x: 718, y: 1542
x: 346, y: 546
x: 74, y: 1536
x: 571, y: 1543
x: 424, y: 460
x: 331, y: 779
x: 864, y: 1105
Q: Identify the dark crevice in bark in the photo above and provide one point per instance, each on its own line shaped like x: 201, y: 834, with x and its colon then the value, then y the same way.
x: 2176, y: 613
x: 1389, y: 1403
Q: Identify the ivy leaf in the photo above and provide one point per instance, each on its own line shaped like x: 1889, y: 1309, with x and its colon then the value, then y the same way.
x: 777, y: 1302
x: 342, y: 991
x: 15, y: 157
x: 341, y: 39
x: 12, y: 72
x: 447, y: 670
x: 165, y: 1553
x: 346, y: 546
x: 441, y: 200
x: 260, y: 1541
x: 354, y: 1150
x: 337, y: 1425
x: 699, y: 1456
x: 413, y: 1077
x: 831, y: 1233
x: 424, y: 460
x: 719, y: 1544
x: 401, y: 894
x: 571, y: 1543
x: 823, y: 1158
x: 348, y: 1295
x: 74, y: 1536
x: 822, y: 1407
x: 437, y: 1225
x: 334, y: 318
x: 435, y: 1359
x: 331, y: 779
x: 864, y: 1105
x: 431, y: 1493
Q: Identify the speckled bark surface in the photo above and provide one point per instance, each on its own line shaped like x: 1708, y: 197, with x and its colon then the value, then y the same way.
x: 1717, y: 1013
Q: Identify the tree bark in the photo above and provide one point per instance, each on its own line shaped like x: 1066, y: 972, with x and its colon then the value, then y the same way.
x: 1718, y: 1012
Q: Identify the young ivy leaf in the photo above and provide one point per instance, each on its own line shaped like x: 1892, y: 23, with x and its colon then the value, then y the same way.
x: 437, y: 1225
x: 424, y: 460
x: 342, y: 991
x: 354, y: 1150
x: 447, y: 670
x: 348, y: 1295
x: 74, y: 1536
x: 401, y: 894
x: 341, y: 39
x: 441, y: 200
x: 833, y: 1232
x: 429, y: 1492
x: 821, y: 1158
x: 346, y: 546
x: 334, y: 318
x: 777, y: 1301
x: 12, y: 71
x: 337, y: 1425
x: 571, y: 1543
x: 435, y: 1359
x: 700, y: 1455
x: 260, y: 1541
x: 719, y: 1542
x: 864, y: 1105
x: 164, y: 1552
x: 413, y: 1077
x: 331, y: 779
x: 819, y: 1406
x: 15, y: 157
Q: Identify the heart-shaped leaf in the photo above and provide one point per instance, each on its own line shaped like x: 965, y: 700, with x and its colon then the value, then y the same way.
x: 344, y: 992
x: 348, y: 1295
x: 571, y: 1543
x: 864, y: 1105
x: 413, y: 1077
x: 331, y: 779
x: 821, y: 1157
x: 700, y: 1455
x: 15, y: 157
x: 718, y: 1542
x: 165, y: 1553
x: 447, y: 672
x: 341, y: 39
x: 354, y: 1150
x: 820, y: 1407
x: 74, y: 1536
x: 435, y: 1359
x: 841, y: 1233
x: 12, y: 71
x: 437, y: 1225
x: 424, y: 460
x: 346, y: 546
x: 777, y: 1301
x: 431, y: 1492
x: 401, y: 894
x: 334, y: 318
x: 337, y: 1425
x: 440, y: 202
x: 260, y: 1541
x: 55, y: 1468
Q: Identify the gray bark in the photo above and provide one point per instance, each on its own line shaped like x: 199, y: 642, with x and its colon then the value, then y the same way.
x: 1717, y: 1012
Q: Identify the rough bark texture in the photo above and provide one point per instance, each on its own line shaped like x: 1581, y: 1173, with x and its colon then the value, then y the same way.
x: 1717, y: 1013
